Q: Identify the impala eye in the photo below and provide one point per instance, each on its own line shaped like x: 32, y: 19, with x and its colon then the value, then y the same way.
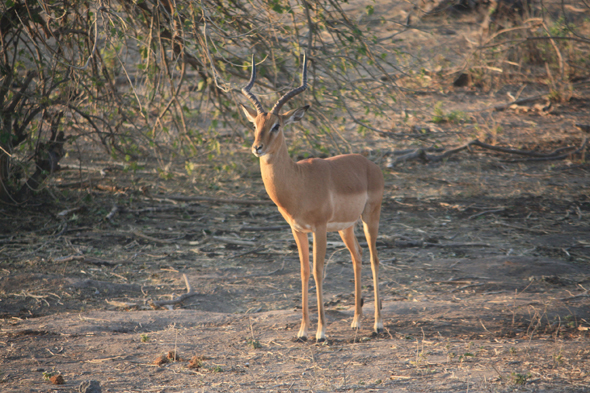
x: 275, y: 128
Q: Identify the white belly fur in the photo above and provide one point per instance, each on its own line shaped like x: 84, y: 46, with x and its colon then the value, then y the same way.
x: 346, y: 218
x: 331, y: 227
x: 338, y: 226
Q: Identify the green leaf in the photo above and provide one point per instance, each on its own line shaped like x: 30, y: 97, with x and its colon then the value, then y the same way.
x: 276, y: 7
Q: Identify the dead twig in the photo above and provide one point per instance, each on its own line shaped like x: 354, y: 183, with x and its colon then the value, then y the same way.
x: 247, y: 252
x: 78, y: 183
x: 112, y: 213
x: 270, y: 228
x: 84, y: 258
x: 70, y: 258
x: 64, y: 213
x: 155, y: 304
x: 485, y: 212
x: 467, y: 286
x: 409, y: 151
x: 421, y: 243
x: 499, y: 373
x: 522, y: 228
x: 181, y: 198
x: 154, y: 209
x: 234, y: 241
x: 581, y: 295
x: 63, y: 230
x: 153, y: 239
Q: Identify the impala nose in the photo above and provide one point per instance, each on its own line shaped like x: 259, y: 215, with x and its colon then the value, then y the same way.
x: 257, y: 149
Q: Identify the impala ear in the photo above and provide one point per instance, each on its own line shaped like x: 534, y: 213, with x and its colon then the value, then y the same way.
x: 250, y: 113
x: 294, y: 115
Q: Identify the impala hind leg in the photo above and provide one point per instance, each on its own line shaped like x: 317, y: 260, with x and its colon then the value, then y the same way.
x: 352, y: 244
x: 303, y: 247
x: 370, y: 219
x: 319, y: 253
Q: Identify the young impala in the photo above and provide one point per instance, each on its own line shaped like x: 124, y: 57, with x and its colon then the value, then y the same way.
x: 317, y: 195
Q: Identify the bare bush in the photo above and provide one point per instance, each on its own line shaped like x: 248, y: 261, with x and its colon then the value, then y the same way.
x: 144, y: 76
x: 527, y: 42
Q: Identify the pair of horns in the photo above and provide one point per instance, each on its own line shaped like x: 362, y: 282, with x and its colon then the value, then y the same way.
x: 275, y: 109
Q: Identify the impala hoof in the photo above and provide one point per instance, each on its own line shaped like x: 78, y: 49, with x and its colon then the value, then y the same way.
x: 299, y: 339
x: 378, y: 328
x: 303, y: 332
x: 320, y: 340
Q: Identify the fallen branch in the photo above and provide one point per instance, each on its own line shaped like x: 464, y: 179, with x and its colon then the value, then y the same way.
x: 502, y: 107
x: 425, y: 157
x: 558, y: 157
x: 155, y: 304
x: 554, y: 153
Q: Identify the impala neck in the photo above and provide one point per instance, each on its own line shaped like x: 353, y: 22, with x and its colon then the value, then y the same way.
x: 279, y: 174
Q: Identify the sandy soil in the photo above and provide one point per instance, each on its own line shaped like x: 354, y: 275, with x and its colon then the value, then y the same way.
x: 484, y: 277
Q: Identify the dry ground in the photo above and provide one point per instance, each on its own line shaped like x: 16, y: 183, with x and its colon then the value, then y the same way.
x: 485, y: 270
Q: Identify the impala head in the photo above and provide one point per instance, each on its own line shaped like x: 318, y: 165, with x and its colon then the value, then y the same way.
x: 268, y: 135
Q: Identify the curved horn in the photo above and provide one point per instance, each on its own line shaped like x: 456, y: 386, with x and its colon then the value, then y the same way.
x: 275, y: 110
x: 246, y: 89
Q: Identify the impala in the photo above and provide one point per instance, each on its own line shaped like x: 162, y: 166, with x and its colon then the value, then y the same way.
x: 318, y: 195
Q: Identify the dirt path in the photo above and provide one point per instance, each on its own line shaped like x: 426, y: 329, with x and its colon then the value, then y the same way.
x: 509, y: 315
x: 485, y: 266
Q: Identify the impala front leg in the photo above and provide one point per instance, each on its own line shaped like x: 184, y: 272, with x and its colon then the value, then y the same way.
x: 303, y: 248
x: 371, y: 227
x: 319, y: 253
x: 352, y: 244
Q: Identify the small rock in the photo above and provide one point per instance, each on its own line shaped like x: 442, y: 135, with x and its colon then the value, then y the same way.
x: 462, y: 80
x: 90, y: 387
x: 173, y: 357
x: 160, y: 360
x: 195, y: 363
x: 57, y: 380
